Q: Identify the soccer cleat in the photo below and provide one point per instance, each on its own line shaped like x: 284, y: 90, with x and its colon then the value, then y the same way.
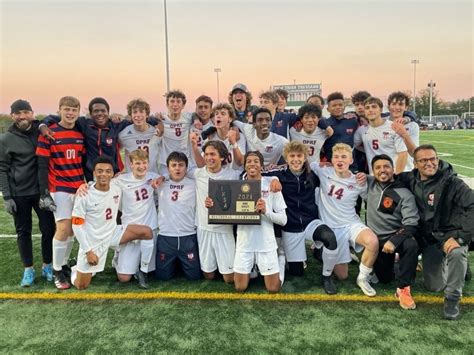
x: 451, y: 309
x: 60, y: 280
x: 373, y: 279
x: 364, y: 285
x: 28, y: 277
x: 47, y: 272
x: 142, y: 279
x: 328, y: 285
x: 404, y: 297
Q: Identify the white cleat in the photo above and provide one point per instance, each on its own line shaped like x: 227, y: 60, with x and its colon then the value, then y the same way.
x: 364, y: 285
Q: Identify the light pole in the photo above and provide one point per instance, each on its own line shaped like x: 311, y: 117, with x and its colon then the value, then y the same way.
x: 167, y: 54
x: 217, y: 71
x: 431, y: 85
x: 414, y: 62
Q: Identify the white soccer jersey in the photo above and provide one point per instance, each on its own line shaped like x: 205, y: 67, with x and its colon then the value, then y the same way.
x: 138, y: 204
x: 261, y: 238
x: 202, y: 177
x: 177, y: 212
x: 314, y: 141
x: 99, y: 210
x: 131, y: 139
x: 270, y: 147
x: 379, y: 140
x: 176, y: 137
x: 241, y: 143
x: 337, y: 197
x: 414, y: 132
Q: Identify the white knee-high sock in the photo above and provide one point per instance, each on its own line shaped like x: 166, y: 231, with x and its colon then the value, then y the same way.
x: 146, y: 249
x: 329, y: 261
x: 59, y: 251
x: 73, y: 274
x: 281, y: 260
x: 364, y: 271
x: 70, y: 244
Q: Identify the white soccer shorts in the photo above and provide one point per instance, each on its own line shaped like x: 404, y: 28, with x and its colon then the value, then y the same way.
x: 216, y: 251
x: 128, y: 257
x: 346, y: 237
x: 267, y: 262
x: 294, y: 243
x: 64, y: 204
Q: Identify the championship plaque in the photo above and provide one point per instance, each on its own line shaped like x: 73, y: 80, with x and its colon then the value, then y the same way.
x: 234, y: 201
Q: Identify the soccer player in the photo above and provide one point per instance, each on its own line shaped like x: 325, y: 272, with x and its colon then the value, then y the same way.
x: 338, y: 194
x: 177, y: 240
x: 216, y: 241
x: 310, y: 135
x: 140, y: 135
x: 393, y: 216
x: 177, y: 126
x: 282, y: 121
x: 94, y: 222
x: 240, y: 99
x: 282, y: 99
x: 298, y: 187
x: 260, y: 138
x: 138, y: 207
x: 223, y: 117
x: 59, y: 175
x: 446, y: 206
x: 316, y: 100
x: 203, y: 114
x: 379, y: 137
x: 21, y: 194
x: 257, y: 243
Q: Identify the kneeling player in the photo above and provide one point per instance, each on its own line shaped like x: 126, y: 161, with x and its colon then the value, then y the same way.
x: 177, y: 240
x: 94, y: 223
x: 338, y: 194
x: 257, y: 243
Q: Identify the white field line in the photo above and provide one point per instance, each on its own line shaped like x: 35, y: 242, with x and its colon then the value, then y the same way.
x: 441, y: 142
x: 463, y: 166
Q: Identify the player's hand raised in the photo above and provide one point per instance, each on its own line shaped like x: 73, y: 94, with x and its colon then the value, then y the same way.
x: 155, y: 183
x: 399, y: 129
x: 194, y: 137
x: 361, y: 179
x: 82, y: 190
x: 275, y: 185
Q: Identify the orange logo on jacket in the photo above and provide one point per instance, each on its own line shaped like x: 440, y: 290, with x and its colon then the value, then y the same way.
x: 387, y: 202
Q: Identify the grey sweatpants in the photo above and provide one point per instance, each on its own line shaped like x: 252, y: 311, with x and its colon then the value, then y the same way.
x: 445, y: 272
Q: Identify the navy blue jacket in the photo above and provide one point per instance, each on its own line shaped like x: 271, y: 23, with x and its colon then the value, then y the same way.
x: 298, y: 192
x: 282, y: 122
x: 344, y: 130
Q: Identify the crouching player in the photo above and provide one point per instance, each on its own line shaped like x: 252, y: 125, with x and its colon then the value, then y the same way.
x: 94, y: 224
x: 338, y: 193
x: 257, y: 243
x: 138, y: 207
x: 177, y: 240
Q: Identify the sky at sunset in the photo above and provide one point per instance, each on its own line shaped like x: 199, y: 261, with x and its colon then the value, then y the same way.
x: 116, y: 49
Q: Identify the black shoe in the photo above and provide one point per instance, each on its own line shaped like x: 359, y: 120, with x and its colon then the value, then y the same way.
x: 67, y: 271
x: 328, y: 285
x: 468, y: 276
x: 142, y: 279
x: 451, y: 309
x: 60, y: 280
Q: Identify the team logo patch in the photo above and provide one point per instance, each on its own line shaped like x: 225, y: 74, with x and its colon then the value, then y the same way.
x: 190, y: 256
x: 431, y: 198
x: 349, y: 130
x: 280, y: 124
x: 116, y: 198
x: 162, y: 256
x: 269, y: 149
x: 387, y: 202
x: 265, y: 193
x: 109, y: 141
x: 386, y: 135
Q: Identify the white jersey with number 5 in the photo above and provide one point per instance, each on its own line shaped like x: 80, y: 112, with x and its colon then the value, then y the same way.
x: 177, y: 212
x: 313, y: 141
x: 176, y: 137
x: 202, y: 177
x: 99, y: 211
x: 337, y: 197
x: 138, y: 204
x: 379, y: 140
x: 131, y: 139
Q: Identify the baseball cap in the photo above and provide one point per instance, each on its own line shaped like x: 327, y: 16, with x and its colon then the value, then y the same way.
x: 20, y: 105
x: 239, y: 86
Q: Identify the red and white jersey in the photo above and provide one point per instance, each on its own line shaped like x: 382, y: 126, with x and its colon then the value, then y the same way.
x: 202, y: 177
x: 379, y: 140
x: 138, y: 204
x: 337, y: 197
x: 314, y: 141
x: 177, y: 211
x: 270, y: 147
x: 176, y: 137
x: 261, y: 238
x: 131, y: 139
x: 99, y: 211
x: 414, y: 132
x: 241, y: 143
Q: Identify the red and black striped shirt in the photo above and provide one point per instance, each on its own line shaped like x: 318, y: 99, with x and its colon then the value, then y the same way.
x: 65, y: 158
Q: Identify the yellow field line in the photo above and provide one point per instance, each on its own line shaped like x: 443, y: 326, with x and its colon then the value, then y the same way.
x: 83, y: 296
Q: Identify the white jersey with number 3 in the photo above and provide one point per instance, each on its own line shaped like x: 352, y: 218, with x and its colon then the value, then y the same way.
x: 177, y: 212
x: 313, y: 141
x: 337, y: 197
x: 138, y: 204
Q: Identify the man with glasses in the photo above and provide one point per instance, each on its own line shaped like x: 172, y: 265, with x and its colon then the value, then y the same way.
x: 446, y: 206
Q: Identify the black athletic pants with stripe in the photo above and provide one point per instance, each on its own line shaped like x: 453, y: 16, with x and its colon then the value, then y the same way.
x: 23, y: 225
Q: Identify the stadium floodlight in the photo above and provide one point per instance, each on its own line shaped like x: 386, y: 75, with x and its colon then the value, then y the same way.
x: 167, y: 54
x: 431, y: 85
x: 414, y: 62
x: 217, y: 71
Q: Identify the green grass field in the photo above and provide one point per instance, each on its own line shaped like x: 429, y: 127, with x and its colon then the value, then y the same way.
x: 349, y: 325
